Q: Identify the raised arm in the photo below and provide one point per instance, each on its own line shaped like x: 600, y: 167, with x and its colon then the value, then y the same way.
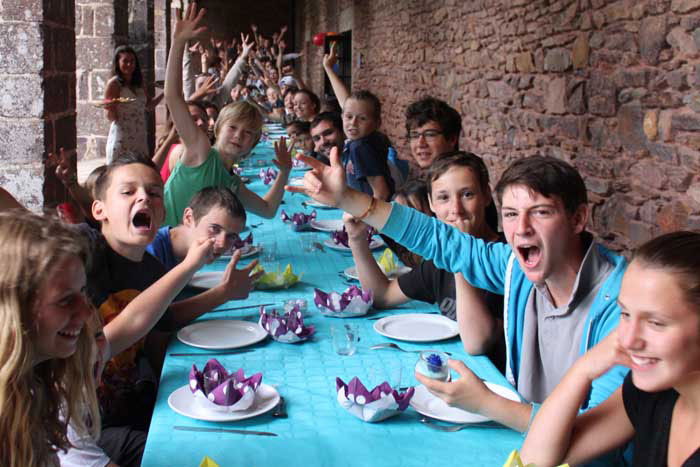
x: 267, y: 205
x: 193, y: 138
x: 339, y: 89
x: 234, y: 74
x: 387, y: 293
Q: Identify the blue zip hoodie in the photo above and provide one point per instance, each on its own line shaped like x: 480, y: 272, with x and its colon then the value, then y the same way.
x: 492, y: 266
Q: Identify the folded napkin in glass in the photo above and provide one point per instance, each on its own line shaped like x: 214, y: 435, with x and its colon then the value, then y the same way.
x: 353, y: 302
x: 376, y: 405
x: 216, y: 389
x: 276, y: 279
x: 288, y: 328
x: 298, y: 221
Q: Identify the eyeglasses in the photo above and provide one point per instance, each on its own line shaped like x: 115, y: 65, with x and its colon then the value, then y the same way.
x: 429, y: 135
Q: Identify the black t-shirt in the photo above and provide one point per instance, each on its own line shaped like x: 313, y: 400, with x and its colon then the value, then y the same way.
x: 429, y: 284
x: 126, y: 397
x: 650, y: 414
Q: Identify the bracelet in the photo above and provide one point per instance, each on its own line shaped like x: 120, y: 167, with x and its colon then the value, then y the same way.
x: 370, y: 208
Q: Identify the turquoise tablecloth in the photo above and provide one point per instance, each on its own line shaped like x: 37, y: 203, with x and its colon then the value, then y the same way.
x: 318, y: 432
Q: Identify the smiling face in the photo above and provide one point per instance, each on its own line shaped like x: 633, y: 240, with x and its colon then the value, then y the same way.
x: 127, y: 64
x: 199, y: 117
x: 457, y: 199
x: 61, y: 311
x: 325, y: 137
x: 289, y: 102
x: 542, y: 234
x: 358, y: 119
x: 659, y: 329
x: 217, y: 224
x: 236, y: 138
x: 428, y: 142
x: 132, y: 209
x: 303, y: 107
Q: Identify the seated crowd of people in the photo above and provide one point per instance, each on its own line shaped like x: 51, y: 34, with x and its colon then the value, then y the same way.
x: 563, y: 317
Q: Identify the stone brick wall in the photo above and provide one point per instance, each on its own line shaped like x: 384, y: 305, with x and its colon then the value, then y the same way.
x: 37, y: 96
x: 100, y: 26
x: 611, y: 86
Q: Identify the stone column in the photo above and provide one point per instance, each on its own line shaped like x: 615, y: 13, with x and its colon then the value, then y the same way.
x: 161, y: 39
x: 141, y: 38
x: 100, y: 26
x: 37, y: 96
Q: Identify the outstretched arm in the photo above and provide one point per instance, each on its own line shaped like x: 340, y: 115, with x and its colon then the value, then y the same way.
x: 144, y: 311
x: 341, y: 92
x: 193, y: 138
x: 267, y: 205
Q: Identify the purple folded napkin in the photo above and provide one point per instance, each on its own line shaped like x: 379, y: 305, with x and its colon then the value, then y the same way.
x: 340, y: 237
x: 288, y: 327
x: 298, y: 220
x: 376, y: 405
x: 216, y: 389
x: 268, y: 175
x: 353, y: 302
x: 241, y: 243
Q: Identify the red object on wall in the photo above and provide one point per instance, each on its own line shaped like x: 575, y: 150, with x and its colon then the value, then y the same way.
x: 318, y: 39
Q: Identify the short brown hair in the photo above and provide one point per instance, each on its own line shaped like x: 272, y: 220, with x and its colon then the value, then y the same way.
x: 242, y: 111
x: 547, y: 176
x: 207, y: 198
x: 104, y: 179
x: 372, y: 99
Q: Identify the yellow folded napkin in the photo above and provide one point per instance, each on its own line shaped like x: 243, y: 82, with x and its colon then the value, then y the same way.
x: 276, y: 279
x: 208, y: 462
x: 388, y: 262
x: 515, y: 461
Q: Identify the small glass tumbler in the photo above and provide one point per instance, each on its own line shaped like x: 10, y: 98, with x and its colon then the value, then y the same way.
x: 308, y: 242
x: 269, y: 251
x: 433, y: 364
x: 345, y: 338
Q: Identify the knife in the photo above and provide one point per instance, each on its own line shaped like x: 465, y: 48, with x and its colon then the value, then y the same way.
x: 205, y: 354
x: 224, y: 430
x: 243, y: 307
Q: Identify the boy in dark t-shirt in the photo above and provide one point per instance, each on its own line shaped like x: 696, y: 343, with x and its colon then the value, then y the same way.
x: 458, y: 195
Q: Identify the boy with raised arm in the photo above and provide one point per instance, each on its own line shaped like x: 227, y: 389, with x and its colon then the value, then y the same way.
x: 560, y: 286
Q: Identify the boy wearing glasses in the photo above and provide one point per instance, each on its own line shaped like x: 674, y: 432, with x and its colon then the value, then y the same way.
x: 433, y: 128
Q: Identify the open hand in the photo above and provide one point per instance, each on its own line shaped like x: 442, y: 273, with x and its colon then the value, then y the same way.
x: 468, y: 392
x: 237, y: 283
x: 330, y: 58
x: 247, y: 44
x: 324, y: 183
x: 189, y: 27
x: 283, y: 154
x: 208, y: 87
x: 65, y: 171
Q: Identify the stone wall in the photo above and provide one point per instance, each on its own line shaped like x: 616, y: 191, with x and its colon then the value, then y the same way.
x: 37, y: 96
x: 100, y: 26
x: 611, y: 86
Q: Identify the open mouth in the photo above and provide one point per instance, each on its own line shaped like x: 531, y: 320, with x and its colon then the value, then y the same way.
x: 530, y: 254
x: 70, y: 334
x: 142, y: 220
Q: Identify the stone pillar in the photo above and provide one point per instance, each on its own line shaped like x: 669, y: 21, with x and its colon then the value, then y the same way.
x: 100, y: 26
x: 161, y: 39
x: 141, y: 38
x: 37, y: 96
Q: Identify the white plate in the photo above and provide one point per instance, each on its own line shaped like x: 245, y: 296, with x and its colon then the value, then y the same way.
x: 248, y: 250
x: 296, y: 181
x: 327, y: 225
x: 426, y: 403
x: 351, y: 272
x: 375, y: 243
x: 182, y: 401
x: 221, y: 334
x: 207, y: 279
x: 316, y: 204
x: 417, y: 327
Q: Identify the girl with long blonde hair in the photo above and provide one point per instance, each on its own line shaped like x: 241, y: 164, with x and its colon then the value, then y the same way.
x: 46, y: 343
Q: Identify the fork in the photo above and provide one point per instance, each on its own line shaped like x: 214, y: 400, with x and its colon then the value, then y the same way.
x: 391, y: 345
x: 281, y: 409
x: 446, y: 428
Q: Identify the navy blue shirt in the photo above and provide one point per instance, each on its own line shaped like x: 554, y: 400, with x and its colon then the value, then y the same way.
x: 367, y: 157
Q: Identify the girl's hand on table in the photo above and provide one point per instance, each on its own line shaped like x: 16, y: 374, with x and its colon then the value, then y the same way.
x: 324, y: 183
x: 468, y: 392
x: 237, y: 283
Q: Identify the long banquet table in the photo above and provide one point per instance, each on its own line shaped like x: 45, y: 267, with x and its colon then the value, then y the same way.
x: 318, y: 431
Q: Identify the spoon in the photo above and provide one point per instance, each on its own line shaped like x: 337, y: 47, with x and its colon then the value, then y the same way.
x: 387, y: 345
